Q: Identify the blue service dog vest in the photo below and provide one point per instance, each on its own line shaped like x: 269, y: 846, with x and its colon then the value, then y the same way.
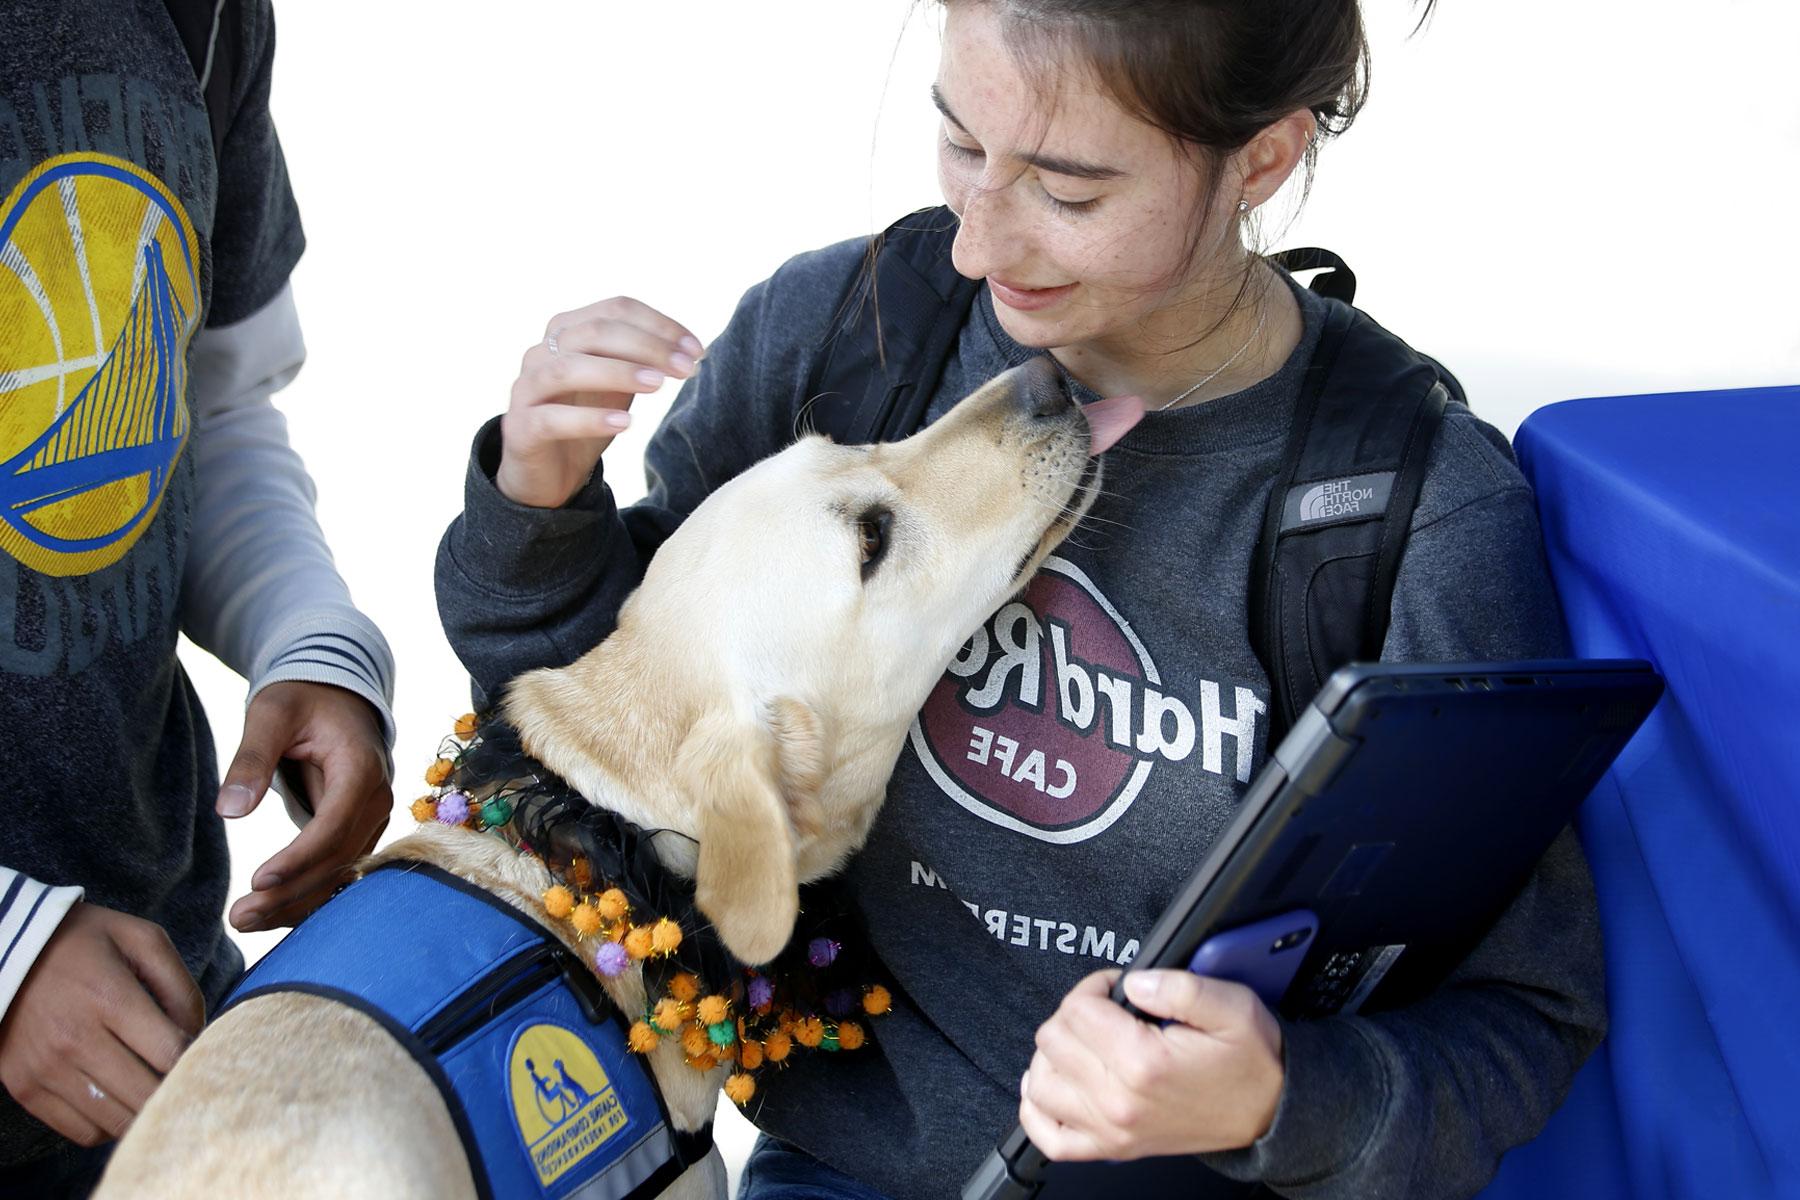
x: 526, y: 1050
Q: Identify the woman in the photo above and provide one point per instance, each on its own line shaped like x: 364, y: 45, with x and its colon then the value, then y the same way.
x: 1104, y: 161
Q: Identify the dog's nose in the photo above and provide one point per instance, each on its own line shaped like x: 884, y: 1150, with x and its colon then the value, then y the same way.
x: 1041, y: 391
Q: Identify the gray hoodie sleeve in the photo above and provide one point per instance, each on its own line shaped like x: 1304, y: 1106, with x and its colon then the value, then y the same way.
x: 1422, y: 1101
x: 521, y: 587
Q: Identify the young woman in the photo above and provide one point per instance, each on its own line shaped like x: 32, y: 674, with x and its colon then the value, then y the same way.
x: 1104, y: 161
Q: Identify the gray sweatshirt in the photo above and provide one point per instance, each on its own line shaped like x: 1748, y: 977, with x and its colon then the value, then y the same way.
x: 1078, y: 759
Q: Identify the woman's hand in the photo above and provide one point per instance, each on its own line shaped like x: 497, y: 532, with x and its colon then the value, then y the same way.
x: 336, y: 738
x: 574, y: 390
x: 103, y: 1014
x: 1104, y: 1084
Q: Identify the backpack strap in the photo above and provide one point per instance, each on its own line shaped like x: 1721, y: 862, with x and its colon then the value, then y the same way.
x: 895, y: 329
x: 1322, y: 578
x: 1336, y: 281
x: 213, y: 47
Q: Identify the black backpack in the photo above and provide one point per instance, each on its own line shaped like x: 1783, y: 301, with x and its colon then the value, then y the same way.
x: 1322, y: 577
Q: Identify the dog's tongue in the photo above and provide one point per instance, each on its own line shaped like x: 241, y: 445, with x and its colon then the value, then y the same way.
x: 1111, y: 419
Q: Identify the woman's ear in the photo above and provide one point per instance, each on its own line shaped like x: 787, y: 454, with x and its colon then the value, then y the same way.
x: 1271, y: 156
x: 750, y: 783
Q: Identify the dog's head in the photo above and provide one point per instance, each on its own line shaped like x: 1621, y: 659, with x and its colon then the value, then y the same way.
x: 758, y: 688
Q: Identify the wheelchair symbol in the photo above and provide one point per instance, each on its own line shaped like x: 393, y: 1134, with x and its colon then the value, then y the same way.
x: 558, y: 1096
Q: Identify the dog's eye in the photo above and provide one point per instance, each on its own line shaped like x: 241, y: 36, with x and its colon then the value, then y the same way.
x: 872, y: 538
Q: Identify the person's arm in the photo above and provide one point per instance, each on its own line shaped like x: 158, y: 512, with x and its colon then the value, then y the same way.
x: 260, y: 589
x: 521, y: 586
x: 29, y: 913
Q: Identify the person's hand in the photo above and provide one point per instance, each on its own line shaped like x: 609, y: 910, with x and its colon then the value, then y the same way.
x: 102, y: 1016
x: 336, y: 738
x: 1106, y: 1085
x: 574, y: 390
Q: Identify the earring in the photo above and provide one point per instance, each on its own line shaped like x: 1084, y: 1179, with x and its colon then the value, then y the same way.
x: 1243, y: 206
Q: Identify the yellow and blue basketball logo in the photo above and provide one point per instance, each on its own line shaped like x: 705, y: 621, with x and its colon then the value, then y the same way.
x: 99, y: 296
x: 564, y: 1104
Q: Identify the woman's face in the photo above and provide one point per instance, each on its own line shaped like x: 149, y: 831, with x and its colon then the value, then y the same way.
x: 1078, y: 215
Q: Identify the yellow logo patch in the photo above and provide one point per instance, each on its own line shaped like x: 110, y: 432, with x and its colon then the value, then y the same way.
x: 564, y: 1103
x: 99, y: 296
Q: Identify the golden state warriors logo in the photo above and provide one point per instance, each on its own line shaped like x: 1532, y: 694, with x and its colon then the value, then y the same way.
x: 564, y: 1103
x: 99, y: 294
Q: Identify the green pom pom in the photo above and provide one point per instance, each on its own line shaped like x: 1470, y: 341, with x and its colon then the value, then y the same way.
x: 722, y: 1034
x: 829, y: 1041
x: 497, y: 811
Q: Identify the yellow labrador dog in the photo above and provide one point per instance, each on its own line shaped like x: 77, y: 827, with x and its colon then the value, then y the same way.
x: 753, y: 699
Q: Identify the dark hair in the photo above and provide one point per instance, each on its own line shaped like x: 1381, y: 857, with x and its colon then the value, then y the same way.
x: 1211, y: 74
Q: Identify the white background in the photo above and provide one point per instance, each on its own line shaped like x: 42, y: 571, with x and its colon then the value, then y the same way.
x: 1555, y: 199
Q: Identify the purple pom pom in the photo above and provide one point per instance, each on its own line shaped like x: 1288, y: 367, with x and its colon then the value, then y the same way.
x: 820, y: 952
x: 840, y: 1002
x: 762, y: 992
x: 610, y: 959
x: 453, y: 808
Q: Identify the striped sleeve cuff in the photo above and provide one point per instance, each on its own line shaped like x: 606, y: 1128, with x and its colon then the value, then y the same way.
x: 338, y: 646
x: 29, y: 913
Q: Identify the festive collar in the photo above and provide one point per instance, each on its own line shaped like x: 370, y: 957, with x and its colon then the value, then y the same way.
x: 614, y: 897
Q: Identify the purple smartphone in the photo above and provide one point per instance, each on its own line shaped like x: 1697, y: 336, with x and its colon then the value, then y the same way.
x: 1263, y: 956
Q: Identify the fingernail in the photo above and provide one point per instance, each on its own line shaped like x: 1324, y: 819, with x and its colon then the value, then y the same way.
x: 691, y: 345
x: 681, y: 362
x: 1143, y: 985
x: 235, y: 800
x: 650, y: 378
x: 617, y: 419
x: 266, y: 881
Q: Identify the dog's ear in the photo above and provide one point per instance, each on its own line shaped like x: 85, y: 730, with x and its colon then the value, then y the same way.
x: 800, y: 761
x: 752, y: 784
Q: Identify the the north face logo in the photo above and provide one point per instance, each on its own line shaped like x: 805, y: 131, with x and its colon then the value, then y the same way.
x: 1338, y: 498
x: 1358, y: 498
x: 1051, y: 719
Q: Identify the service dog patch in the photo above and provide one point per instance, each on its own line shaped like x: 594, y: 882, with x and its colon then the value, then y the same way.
x: 562, y: 1100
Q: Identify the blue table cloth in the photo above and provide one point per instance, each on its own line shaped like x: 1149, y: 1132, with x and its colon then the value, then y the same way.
x: 1672, y: 525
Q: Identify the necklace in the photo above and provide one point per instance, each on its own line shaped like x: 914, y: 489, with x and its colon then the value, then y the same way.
x: 1261, y: 318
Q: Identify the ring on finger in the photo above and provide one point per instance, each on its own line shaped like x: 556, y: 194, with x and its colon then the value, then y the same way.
x: 550, y: 340
x: 94, y: 1093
